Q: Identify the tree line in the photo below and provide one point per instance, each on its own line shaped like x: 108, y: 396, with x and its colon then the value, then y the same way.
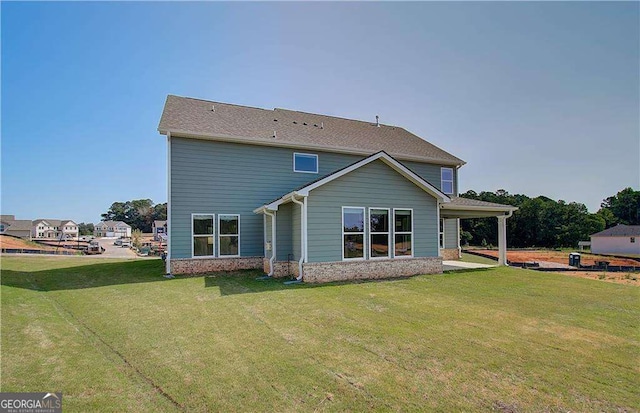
x: 139, y: 213
x: 544, y: 222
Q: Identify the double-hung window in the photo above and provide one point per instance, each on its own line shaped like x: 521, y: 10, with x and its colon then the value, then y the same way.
x: 228, y: 235
x: 353, y: 233
x: 202, y: 230
x: 378, y: 233
x: 446, y: 180
x: 403, y: 234
x: 305, y: 162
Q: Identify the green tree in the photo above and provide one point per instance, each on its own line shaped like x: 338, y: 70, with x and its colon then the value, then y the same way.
x: 85, y: 229
x: 624, y: 206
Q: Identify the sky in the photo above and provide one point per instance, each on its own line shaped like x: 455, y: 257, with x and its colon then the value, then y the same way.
x: 539, y: 98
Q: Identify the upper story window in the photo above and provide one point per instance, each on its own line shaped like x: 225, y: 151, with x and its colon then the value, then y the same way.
x: 1, y: 227
x: 446, y: 180
x: 305, y: 162
x: 633, y: 240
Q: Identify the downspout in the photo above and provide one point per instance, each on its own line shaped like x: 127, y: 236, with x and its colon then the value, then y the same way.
x: 273, y: 241
x: 302, y: 233
x: 169, y: 220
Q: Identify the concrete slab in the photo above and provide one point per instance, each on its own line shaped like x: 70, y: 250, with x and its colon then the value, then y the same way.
x: 459, y: 265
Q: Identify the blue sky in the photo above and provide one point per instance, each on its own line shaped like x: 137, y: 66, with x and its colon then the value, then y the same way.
x: 539, y: 98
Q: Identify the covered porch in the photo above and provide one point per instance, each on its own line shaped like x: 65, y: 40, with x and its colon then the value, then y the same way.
x: 462, y: 208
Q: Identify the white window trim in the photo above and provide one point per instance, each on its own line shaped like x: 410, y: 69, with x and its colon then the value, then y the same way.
x: 442, y: 180
x: 403, y: 233
x: 306, y: 154
x: 372, y: 233
x: 228, y: 235
x: 199, y: 257
x: 441, y: 234
x: 364, y: 233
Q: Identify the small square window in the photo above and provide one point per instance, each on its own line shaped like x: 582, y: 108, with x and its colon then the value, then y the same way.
x: 305, y: 162
x: 633, y: 240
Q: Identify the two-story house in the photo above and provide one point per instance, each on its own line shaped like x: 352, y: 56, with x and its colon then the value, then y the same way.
x: 112, y: 229
x: 54, y: 229
x: 320, y: 197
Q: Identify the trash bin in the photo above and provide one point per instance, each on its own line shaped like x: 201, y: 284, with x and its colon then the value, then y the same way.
x: 574, y: 259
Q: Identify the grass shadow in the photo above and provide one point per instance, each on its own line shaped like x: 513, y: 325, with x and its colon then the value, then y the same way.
x: 85, y: 276
x: 250, y: 281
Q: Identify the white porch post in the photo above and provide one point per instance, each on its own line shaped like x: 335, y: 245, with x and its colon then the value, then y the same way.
x: 502, y: 240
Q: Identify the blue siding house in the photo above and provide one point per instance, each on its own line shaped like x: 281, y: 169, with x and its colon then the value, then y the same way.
x: 309, y: 196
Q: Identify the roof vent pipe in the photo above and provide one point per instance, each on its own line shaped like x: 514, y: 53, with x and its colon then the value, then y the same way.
x: 321, y: 125
x: 377, y: 123
x: 274, y: 134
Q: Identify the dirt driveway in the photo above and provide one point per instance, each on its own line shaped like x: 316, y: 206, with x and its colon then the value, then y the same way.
x: 113, y: 251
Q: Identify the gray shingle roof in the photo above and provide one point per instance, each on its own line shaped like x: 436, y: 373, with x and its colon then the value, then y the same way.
x: 466, y: 202
x: 620, y: 230
x: 195, y: 118
x: 54, y: 222
x: 19, y: 225
x: 112, y: 224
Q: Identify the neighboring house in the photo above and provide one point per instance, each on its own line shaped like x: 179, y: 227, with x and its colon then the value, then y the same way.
x: 54, y: 229
x: 112, y: 229
x: 9, y: 225
x: 158, y: 229
x: 319, y: 197
x: 621, y: 239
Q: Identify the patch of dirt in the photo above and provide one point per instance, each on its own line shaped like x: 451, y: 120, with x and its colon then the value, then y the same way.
x: 17, y: 243
x: 613, y: 277
x: 560, y: 257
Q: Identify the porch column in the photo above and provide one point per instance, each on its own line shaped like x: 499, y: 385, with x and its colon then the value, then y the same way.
x: 502, y: 240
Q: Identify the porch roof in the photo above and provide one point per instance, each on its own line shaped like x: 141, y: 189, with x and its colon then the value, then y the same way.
x: 471, y: 208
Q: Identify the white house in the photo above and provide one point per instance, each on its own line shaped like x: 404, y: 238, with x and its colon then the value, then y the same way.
x: 112, y: 229
x: 621, y: 239
x: 54, y: 229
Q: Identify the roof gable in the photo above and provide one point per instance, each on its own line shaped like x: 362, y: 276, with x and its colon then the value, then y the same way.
x: 382, y: 156
x: 201, y: 119
x: 620, y: 230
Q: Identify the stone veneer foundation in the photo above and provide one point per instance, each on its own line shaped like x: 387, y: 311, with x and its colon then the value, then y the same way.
x: 281, y: 268
x: 318, y: 272
x: 450, y: 254
x: 204, y: 265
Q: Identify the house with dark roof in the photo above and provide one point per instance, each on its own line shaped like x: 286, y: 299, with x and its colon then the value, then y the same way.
x: 317, y: 197
x: 621, y: 239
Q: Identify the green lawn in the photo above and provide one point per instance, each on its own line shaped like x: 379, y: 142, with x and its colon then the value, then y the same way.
x: 117, y: 336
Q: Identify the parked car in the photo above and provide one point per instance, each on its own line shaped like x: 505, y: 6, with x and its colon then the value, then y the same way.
x: 118, y: 242
x: 125, y: 243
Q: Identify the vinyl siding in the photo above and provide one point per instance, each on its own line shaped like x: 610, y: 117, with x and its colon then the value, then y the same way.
x: 431, y: 174
x: 229, y: 178
x: 373, y: 185
x: 451, y: 233
x: 283, y: 232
